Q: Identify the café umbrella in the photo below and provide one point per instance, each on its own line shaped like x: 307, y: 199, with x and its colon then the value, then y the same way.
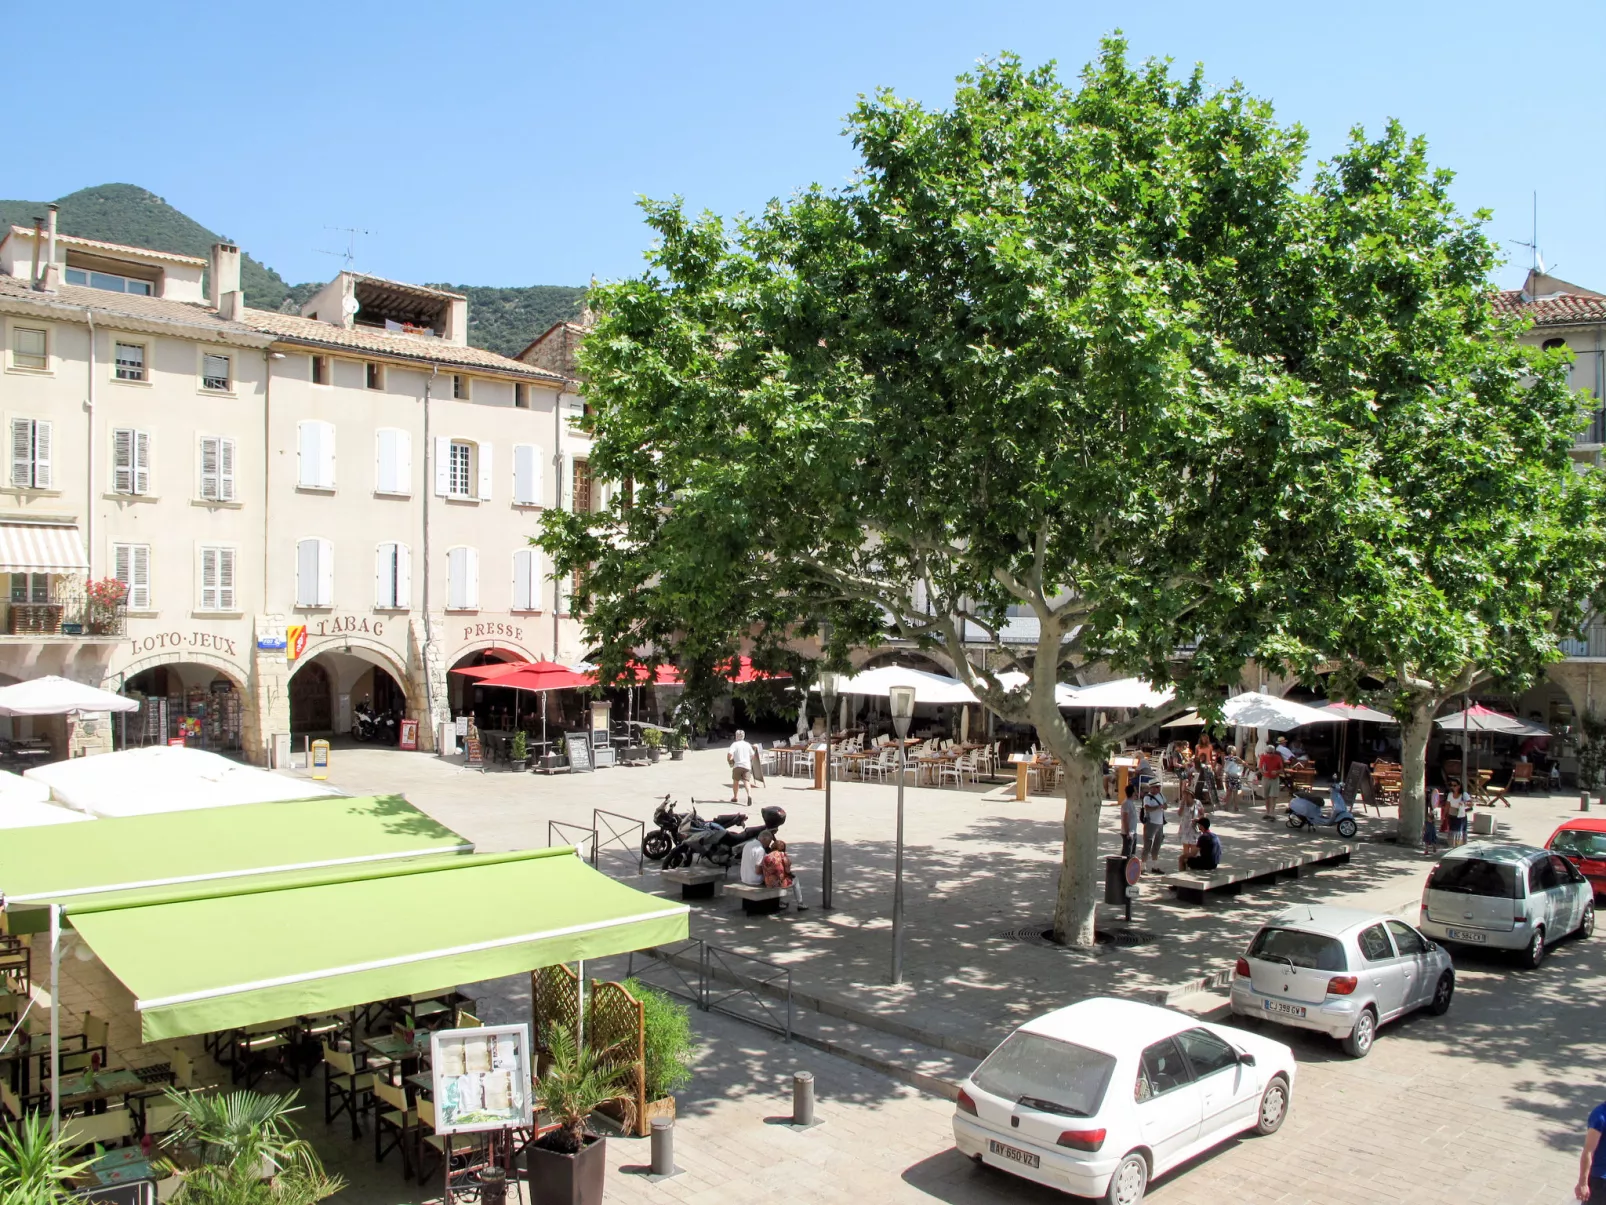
x: 52, y: 695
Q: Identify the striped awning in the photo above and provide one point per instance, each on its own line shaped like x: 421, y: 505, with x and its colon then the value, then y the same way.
x: 41, y: 548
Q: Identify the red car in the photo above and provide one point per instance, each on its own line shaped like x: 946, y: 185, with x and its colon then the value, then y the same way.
x: 1583, y: 843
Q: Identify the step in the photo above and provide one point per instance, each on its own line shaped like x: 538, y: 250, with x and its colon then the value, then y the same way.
x: 933, y: 1071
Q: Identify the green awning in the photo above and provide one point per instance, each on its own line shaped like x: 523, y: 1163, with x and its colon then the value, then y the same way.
x: 68, y: 862
x: 200, y: 959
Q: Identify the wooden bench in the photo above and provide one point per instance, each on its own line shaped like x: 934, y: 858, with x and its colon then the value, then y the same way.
x: 1191, y: 885
x: 757, y: 901
x: 694, y: 884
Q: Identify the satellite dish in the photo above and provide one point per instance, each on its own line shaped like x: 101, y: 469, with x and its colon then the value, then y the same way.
x: 350, y: 305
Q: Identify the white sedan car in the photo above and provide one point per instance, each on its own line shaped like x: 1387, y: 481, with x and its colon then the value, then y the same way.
x: 1101, y: 1097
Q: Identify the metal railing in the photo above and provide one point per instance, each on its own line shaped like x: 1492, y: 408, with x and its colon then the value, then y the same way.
x: 1591, y: 642
x: 604, y: 822
x: 675, y: 969
x: 565, y: 834
x: 65, y: 617
x: 759, y: 997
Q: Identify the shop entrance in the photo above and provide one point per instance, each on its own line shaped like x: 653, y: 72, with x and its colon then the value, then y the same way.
x: 311, y: 700
x: 326, y: 691
x: 182, y: 702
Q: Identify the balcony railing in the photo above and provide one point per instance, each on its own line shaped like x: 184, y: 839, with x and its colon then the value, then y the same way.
x: 66, y: 617
x: 1591, y: 643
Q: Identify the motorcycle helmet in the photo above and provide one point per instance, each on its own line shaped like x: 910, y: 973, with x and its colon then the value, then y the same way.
x: 774, y: 816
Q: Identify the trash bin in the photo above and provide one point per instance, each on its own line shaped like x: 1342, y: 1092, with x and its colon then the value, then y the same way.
x: 1115, y: 880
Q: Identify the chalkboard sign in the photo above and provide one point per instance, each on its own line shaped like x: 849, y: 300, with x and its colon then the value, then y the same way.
x: 474, y: 755
x: 578, y: 746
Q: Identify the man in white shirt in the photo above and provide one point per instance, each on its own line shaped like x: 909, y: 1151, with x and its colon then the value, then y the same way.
x: 753, y: 859
x: 740, y: 756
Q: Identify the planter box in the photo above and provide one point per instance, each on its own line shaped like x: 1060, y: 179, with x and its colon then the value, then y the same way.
x: 656, y: 1110
x: 653, y: 753
x: 677, y: 754
x: 568, y: 1179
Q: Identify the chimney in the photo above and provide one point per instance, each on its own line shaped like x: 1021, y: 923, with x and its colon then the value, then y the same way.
x: 38, y: 246
x: 50, y: 281
x: 226, y: 296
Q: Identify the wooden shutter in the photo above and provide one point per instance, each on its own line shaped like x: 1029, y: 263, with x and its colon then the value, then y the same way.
x: 385, y: 461
x: 326, y: 574
x: 211, y: 490
x: 131, y: 565
x: 123, y: 569
x: 456, y: 579
x: 307, y: 573
x: 404, y: 576
x: 225, y: 579
x: 209, y: 579
x: 142, y: 462
x: 123, y: 460
x: 225, y: 470
x: 326, y: 446
x: 526, y: 475
x: 22, y: 452
x: 307, y: 456
x: 43, y: 473
x: 443, y: 466
x: 385, y: 576
x: 486, y: 472
x: 526, y: 581
x: 473, y: 577
x: 566, y: 481
x: 404, y: 463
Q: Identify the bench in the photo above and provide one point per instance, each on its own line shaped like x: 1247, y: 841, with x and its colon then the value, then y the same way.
x: 757, y: 901
x: 1191, y: 885
x: 694, y: 884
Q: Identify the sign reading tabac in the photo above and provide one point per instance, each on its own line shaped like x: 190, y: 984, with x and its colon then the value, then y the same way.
x: 295, y: 641
x: 481, y: 1078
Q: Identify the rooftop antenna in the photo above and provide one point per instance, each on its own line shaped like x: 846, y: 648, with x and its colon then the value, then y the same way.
x: 348, y: 257
x: 1537, y: 266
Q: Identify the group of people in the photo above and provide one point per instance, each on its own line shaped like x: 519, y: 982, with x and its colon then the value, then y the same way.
x: 764, y: 859
x: 1449, y: 809
x: 1143, y: 821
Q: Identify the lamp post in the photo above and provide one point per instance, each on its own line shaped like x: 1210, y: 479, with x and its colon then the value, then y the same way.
x: 902, y: 702
x: 830, y: 685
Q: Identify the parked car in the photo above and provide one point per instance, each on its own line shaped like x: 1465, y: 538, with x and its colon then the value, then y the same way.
x: 1342, y: 972
x: 1583, y: 843
x: 1507, y: 897
x: 1101, y: 1097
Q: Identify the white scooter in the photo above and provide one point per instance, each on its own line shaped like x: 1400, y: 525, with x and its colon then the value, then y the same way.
x: 1308, y: 813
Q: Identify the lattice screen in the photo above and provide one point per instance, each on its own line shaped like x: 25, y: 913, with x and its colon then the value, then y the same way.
x: 616, y: 1030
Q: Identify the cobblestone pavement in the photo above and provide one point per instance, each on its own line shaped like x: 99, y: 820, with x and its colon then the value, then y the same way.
x: 1481, y: 1106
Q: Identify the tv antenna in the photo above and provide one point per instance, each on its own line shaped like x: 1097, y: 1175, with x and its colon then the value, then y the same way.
x: 1532, y: 243
x: 348, y: 257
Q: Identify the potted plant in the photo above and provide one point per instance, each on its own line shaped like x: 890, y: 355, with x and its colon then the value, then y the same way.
x: 667, y: 1050
x: 106, y: 598
x: 245, y: 1152
x: 567, y: 1163
x: 520, y: 753
x: 34, y: 1167
x: 677, y: 745
x: 653, y: 739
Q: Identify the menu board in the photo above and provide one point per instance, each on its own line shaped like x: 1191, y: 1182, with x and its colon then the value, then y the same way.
x: 578, y: 747
x: 481, y: 1078
x: 601, y: 714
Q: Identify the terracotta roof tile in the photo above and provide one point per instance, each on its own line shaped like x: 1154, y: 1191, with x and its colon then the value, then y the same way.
x: 143, y: 311
x: 1565, y: 309
x: 74, y: 240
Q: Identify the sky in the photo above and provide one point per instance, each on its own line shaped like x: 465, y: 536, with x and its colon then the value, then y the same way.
x: 507, y: 143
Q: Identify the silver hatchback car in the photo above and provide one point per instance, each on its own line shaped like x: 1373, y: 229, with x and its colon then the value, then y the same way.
x: 1342, y: 972
x: 1508, y: 897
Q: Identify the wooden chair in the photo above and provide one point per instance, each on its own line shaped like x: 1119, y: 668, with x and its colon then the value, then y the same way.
x: 259, y: 1049
x: 96, y: 1030
x: 394, y: 1117
x: 111, y: 1128
x: 347, y: 1088
x: 1522, y: 777
x: 159, y: 1117
x: 467, y: 1020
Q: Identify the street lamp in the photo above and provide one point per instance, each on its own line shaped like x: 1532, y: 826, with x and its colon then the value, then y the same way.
x: 902, y: 701
x: 830, y: 685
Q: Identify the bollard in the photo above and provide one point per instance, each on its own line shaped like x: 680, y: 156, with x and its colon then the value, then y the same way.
x: 1583, y: 801
x: 663, y: 1146
x: 803, y: 1098
x: 493, y: 1186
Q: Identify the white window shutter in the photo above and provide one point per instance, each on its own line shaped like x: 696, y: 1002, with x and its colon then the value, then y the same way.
x: 142, y: 462
x: 43, y: 477
x: 404, y: 463
x: 123, y: 460
x: 225, y: 579
x: 326, y: 574
x: 22, y: 452
x: 526, y: 581
x: 566, y: 481
x: 326, y: 446
x: 123, y: 569
x: 307, y: 573
x: 456, y: 579
x: 443, y: 466
x: 306, y: 456
x: 473, y: 573
x: 139, y: 593
x: 385, y: 575
x: 404, y: 576
x: 209, y: 583
x: 211, y: 490
x: 526, y: 475
x: 487, y: 472
x: 225, y: 470
x: 384, y: 461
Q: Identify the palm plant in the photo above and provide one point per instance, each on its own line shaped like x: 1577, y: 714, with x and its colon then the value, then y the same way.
x: 577, y: 1083
x: 249, y: 1150
x: 34, y: 1167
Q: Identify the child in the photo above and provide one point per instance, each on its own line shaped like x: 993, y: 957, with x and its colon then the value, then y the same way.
x: 1430, y: 825
x: 1188, y: 813
x: 1233, y: 767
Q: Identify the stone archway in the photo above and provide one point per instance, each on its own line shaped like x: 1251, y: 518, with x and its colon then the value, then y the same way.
x: 332, y: 679
x: 195, y: 696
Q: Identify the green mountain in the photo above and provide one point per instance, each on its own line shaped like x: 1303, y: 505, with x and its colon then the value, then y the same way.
x: 500, y: 320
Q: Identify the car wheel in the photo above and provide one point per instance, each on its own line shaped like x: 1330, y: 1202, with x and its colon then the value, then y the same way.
x: 1346, y: 828
x: 1130, y: 1181
x: 1535, y: 953
x: 1359, y: 1043
x: 1586, y: 924
x: 1273, y: 1107
x: 1442, y: 994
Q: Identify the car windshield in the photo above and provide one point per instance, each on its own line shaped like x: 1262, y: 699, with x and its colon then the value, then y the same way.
x: 1472, y: 876
x: 1042, y: 1073
x: 1298, y: 948
x: 1577, y: 843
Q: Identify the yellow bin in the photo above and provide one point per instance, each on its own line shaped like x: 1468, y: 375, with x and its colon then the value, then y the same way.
x: 320, y: 759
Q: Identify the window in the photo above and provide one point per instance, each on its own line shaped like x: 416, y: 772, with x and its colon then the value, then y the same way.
x: 1580, y: 843
x: 521, y: 395
x: 1054, y: 1076
x: 128, y: 361
x: 463, y: 469
x: 30, y: 587
x: 215, y: 372
x: 217, y: 468
x: 1541, y: 877
x: 109, y: 281
x: 131, y: 565
x: 217, y: 579
x: 320, y: 370
x: 460, y: 388
x: 1472, y: 876
x: 526, y: 475
x: 1564, y: 871
x: 131, y: 461
x: 393, y: 577
x: 462, y: 455
x: 1162, y: 1070
x: 1207, y: 1053
x: 1406, y: 939
x: 30, y: 454
x: 1298, y: 948
x: 316, y: 442
x: 373, y: 375
x: 1374, y: 944
x: 393, y: 461
x: 582, y: 488
x: 29, y: 348
x: 462, y: 579
x: 315, y: 573
x: 527, y: 580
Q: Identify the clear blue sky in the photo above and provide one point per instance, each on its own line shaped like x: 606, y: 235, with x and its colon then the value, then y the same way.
x: 505, y: 143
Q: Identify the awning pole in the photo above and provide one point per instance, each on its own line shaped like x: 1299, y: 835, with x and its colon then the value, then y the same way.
x: 580, y: 1012
x: 55, y: 1021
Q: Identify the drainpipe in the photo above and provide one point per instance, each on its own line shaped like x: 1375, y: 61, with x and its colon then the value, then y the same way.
x: 429, y: 491
x: 557, y: 501
x: 89, y: 493
x: 267, y: 468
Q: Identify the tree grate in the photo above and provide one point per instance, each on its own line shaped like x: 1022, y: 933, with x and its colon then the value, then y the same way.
x: 1043, y: 935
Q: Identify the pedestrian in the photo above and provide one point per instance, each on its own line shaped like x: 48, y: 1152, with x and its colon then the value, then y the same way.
x: 740, y: 757
x: 1430, y: 824
x: 1592, y: 1163
x: 1271, y: 772
x: 1153, y: 826
x: 1189, y: 817
x: 1209, y: 855
x: 1460, y: 807
x: 1129, y: 821
x: 1232, y: 767
x: 753, y: 854
x: 777, y: 871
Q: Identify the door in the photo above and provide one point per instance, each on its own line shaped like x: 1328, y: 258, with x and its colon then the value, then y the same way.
x: 1381, y: 970
x: 1168, y: 1106
x: 1544, y: 907
x: 311, y: 704
x: 1569, y: 906
x: 1228, y: 1092
x: 1413, y: 959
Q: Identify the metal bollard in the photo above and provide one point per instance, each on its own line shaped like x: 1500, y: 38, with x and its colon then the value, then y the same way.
x: 663, y: 1146
x: 1583, y: 801
x: 803, y: 1098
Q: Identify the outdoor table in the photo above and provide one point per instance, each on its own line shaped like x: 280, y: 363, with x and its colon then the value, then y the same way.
x: 76, y: 1089
x: 122, y: 1165
x: 423, y: 1081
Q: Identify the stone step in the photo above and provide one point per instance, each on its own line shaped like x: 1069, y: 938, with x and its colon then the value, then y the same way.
x: 934, y: 1071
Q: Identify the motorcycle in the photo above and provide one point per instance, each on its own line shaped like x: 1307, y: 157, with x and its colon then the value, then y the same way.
x: 364, y: 723
x: 716, y: 842
x: 657, y: 843
x: 1304, y: 812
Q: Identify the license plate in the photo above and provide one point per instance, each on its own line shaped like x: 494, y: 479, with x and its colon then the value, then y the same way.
x: 1013, y: 1154
x: 1287, y: 1010
x: 1467, y: 935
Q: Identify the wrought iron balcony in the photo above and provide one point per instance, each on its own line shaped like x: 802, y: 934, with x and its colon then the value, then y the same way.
x: 1591, y: 642
x: 66, y: 616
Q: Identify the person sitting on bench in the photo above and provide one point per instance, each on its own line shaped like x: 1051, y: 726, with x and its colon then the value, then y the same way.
x: 1209, y: 855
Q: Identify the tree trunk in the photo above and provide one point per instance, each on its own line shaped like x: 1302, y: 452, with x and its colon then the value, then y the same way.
x: 1414, y: 735
x: 1081, y: 882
